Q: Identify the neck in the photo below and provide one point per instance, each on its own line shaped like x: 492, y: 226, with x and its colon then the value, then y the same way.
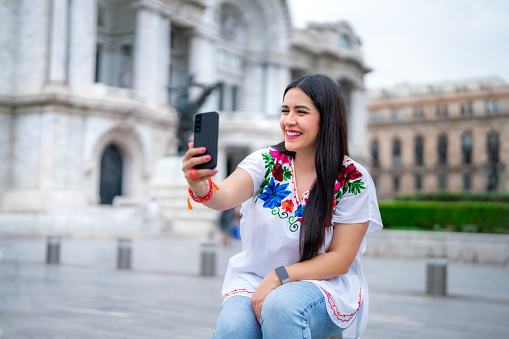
x: 305, y: 162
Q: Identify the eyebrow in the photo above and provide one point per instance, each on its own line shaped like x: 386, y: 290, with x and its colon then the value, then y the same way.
x: 298, y: 106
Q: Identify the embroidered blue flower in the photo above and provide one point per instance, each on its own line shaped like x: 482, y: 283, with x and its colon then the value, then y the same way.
x: 273, y: 194
x: 299, y: 211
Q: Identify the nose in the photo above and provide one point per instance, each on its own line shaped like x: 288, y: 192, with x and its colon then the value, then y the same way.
x: 290, y: 119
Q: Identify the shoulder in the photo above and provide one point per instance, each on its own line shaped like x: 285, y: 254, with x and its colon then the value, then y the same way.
x: 353, y: 178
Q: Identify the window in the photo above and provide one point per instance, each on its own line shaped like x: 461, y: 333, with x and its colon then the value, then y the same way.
x: 493, y: 159
x: 467, y: 182
x: 374, y: 154
x: 418, y: 112
x: 441, y: 110
x: 466, y: 148
x: 396, y: 153
x: 442, y: 149
x: 235, y: 93
x: 126, y: 68
x: 418, y: 182
x: 466, y: 108
x: 470, y: 108
x: 445, y: 110
x: 344, y: 41
x: 488, y: 106
x: 377, y: 116
x: 442, y: 181
x: 493, y: 147
x: 419, y: 151
x: 496, y: 106
x: 98, y: 54
x: 101, y: 15
x: 395, y: 184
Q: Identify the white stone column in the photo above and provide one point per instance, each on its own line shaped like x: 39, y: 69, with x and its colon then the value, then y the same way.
x: 151, y: 53
x: 276, y: 79
x: 357, y: 126
x: 82, y: 45
x: 58, y: 42
x: 203, y: 65
x: 253, y: 85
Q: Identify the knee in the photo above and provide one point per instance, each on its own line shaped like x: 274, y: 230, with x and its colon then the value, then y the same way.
x: 280, y: 305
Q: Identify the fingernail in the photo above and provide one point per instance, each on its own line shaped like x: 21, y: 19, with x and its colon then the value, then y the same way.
x: 203, y: 149
x: 207, y: 157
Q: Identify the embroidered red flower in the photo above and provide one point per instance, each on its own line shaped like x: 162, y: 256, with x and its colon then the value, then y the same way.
x: 287, y: 205
x: 278, y: 172
x: 347, y: 174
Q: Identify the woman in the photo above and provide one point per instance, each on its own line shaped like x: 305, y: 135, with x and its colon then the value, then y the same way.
x: 307, y: 209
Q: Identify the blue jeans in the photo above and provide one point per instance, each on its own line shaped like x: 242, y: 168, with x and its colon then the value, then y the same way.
x: 294, y: 310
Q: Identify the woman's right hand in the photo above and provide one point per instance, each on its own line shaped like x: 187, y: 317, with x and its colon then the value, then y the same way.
x: 197, y: 178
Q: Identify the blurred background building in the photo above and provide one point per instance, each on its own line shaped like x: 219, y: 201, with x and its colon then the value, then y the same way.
x: 440, y: 136
x: 87, y: 126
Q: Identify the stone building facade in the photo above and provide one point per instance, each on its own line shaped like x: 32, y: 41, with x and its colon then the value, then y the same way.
x: 87, y: 126
x: 440, y: 136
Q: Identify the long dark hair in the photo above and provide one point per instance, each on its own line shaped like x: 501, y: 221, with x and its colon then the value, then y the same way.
x: 332, y: 146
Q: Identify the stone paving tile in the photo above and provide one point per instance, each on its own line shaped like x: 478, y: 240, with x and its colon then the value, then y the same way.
x: 163, y: 296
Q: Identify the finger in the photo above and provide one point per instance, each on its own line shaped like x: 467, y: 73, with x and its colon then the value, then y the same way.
x: 201, y: 175
x: 194, y: 161
x: 192, y: 152
x: 191, y: 156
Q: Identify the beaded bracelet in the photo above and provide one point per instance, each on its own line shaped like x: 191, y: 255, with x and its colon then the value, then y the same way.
x: 212, y: 185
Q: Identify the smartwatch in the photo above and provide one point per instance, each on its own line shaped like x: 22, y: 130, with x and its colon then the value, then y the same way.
x: 282, y: 274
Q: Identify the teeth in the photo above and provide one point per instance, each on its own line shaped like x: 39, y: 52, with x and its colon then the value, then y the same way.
x: 293, y: 134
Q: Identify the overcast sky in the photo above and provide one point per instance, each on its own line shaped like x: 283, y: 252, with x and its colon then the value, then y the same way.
x: 420, y: 41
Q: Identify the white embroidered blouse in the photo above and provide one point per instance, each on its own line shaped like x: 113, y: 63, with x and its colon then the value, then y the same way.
x: 270, y: 228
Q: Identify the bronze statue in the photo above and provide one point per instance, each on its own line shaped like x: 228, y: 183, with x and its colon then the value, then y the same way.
x: 187, y: 108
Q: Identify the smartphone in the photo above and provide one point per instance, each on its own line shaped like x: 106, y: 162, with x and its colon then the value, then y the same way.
x: 206, y: 131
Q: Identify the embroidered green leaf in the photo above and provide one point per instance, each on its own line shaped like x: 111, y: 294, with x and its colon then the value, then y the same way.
x: 287, y: 174
x: 265, y: 182
x: 356, y: 186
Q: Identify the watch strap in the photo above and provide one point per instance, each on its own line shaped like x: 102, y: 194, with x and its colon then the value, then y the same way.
x: 283, y: 275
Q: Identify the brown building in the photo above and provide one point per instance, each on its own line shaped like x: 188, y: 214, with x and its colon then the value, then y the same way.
x: 450, y: 136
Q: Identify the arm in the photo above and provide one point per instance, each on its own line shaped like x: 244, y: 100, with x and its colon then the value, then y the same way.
x: 234, y: 190
x: 345, y: 244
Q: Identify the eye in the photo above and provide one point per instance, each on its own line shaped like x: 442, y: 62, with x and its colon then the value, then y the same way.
x: 285, y: 111
x: 302, y: 111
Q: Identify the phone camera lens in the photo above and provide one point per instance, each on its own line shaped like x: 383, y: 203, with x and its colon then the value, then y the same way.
x: 197, y: 129
x: 198, y: 118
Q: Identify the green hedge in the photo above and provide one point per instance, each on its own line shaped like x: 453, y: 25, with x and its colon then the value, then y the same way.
x: 485, y: 217
x: 455, y: 196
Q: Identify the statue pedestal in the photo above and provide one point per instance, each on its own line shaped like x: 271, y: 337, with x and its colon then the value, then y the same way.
x: 170, y: 188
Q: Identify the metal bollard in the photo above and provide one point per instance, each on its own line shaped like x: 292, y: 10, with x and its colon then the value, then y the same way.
x: 436, y: 277
x: 53, y: 250
x: 208, y: 258
x: 124, y: 254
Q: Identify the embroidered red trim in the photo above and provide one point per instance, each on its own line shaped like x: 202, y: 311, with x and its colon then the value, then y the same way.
x: 236, y: 291
x: 339, y: 316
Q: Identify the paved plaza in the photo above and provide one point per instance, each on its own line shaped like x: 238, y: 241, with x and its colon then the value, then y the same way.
x: 164, y: 296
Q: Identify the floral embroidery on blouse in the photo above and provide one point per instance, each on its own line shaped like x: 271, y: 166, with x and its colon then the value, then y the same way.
x: 276, y: 196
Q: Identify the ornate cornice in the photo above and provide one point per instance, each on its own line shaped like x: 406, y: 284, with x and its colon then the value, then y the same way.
x: 154, y: 6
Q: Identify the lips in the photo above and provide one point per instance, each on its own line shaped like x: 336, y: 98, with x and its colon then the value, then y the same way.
x: 291, y: 134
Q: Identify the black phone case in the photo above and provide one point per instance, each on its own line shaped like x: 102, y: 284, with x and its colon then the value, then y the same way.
x: 206, y: 131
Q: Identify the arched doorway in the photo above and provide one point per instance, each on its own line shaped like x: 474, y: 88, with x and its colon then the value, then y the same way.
x: 111, y: 174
